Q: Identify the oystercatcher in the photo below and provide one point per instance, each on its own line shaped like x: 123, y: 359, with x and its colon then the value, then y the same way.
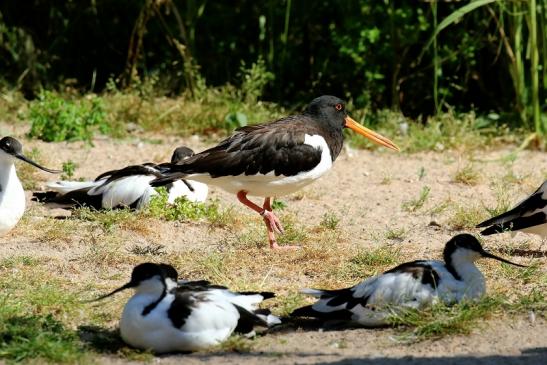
x: 164, y: 316
x: 127, y: 187
x: 276, y: 158
x: 528, y: 216
x: 413, y: 284
x: 12, y: 196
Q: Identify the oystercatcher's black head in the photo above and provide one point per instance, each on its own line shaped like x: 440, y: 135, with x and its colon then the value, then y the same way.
x: 331, y: 113
x: 468, y: 246
x: 181, y: 153
x: 13, y: 147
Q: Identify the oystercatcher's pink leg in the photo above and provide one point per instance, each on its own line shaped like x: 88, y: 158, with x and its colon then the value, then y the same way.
x: 273, y: 224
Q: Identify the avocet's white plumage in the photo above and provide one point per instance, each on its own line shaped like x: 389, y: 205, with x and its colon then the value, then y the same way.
x: 528, y: 216
x: 127, y: 187
x: 12, y: 195
x: 413, y: 284
x: 164, y: 316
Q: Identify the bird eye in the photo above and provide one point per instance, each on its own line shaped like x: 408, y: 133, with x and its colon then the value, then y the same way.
x: 339, y: 107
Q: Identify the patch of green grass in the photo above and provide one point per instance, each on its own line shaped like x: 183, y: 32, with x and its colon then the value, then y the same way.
x: 466, y: 217
x: 32, y: 308
x: 29, y: 174
x: 329, y: 221
x: 415, y: 204
x: 366, y: 262
x: 279, y: 204
x: 108, y: 219
x: 68, y: 170
x: 467, y: 175
x: 441, y: 320
x: 25, y: 337
x: 503, y: 201
x: 395, y: 234
x: 294, y: 234
x: 148, y: 250
x: 184, y: 210
x: 236, y: 343
x: 55, y: 119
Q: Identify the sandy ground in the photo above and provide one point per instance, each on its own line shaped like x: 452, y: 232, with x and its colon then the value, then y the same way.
x: 365, y: 189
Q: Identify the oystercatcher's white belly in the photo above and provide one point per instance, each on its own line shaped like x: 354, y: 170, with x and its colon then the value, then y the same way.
x: 269, y: 184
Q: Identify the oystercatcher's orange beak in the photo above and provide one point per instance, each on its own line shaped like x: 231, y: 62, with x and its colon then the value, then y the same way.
x: 373, y: 136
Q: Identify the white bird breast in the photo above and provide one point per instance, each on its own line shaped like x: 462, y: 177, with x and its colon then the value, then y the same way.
x: 208, y: 324
x: 269, y: 184
x: 12, y: 196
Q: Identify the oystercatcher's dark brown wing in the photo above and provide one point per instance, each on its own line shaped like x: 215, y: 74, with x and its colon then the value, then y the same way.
x: 276, y: 147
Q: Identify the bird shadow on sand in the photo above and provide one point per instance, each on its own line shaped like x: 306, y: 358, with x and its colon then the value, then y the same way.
x: 522, y: 252
x: 316, y: 325
x: 102, y: 340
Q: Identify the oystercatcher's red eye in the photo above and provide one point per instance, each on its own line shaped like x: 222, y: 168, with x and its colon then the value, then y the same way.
x: 339, y: 107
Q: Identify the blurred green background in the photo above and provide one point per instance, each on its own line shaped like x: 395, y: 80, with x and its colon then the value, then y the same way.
x: 417, y: 57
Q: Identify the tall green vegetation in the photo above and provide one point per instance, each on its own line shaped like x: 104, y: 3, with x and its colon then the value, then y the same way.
x: 486, y: 55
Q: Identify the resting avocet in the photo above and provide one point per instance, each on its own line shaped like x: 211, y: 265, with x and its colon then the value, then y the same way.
x: 249, y: 300
x: 12, y: 195
x: 528, y: 216
x: 413, y: 284
x: 276, y: 158
x: 127, y: 187
x: 164, y: 316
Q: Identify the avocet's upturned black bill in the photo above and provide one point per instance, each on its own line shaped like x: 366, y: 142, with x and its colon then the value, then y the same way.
x: 529, y: 216
x: 126, y: 187
x: 415, y: 284
x: 13, y: 147
x: 275, y: 158
x: 12, y: 196
x: 166, y: 316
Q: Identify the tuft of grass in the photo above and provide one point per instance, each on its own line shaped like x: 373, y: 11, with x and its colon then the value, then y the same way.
x: 467, y: 175
x: 29, y: 174
x: 279, y: 205
x: 25, y: 337
x: 236, y: 343
x: 329, y: 221
x: 55, y: 119
x: 441, y: 320
x: 395, y: 234
x: 415, y: 204
x: 69, y: 167
x: 366, y: 262
x: 146, y: 250
x: 108, y: 220
x: 465, y: 217
x: 503, y: 201
x: 184, y: 210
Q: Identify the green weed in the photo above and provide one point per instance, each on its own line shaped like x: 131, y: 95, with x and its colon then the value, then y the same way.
x: 467, y: 175
x: 184, y: 210
x: 68, y: 170
x: 415, y: 204
x: 441, y: 320
x: 55, y: 119
x: 329, y: 221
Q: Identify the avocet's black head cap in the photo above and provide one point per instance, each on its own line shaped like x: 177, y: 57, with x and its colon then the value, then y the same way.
x: 181, y: 153
x: 330, y: 112
x: 169, y: 272
x: 469, y: 242
x: 139, y: 274
x: 13, y: 147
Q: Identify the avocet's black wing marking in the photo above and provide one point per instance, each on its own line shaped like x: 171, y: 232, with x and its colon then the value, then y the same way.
x: 530, y: 212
